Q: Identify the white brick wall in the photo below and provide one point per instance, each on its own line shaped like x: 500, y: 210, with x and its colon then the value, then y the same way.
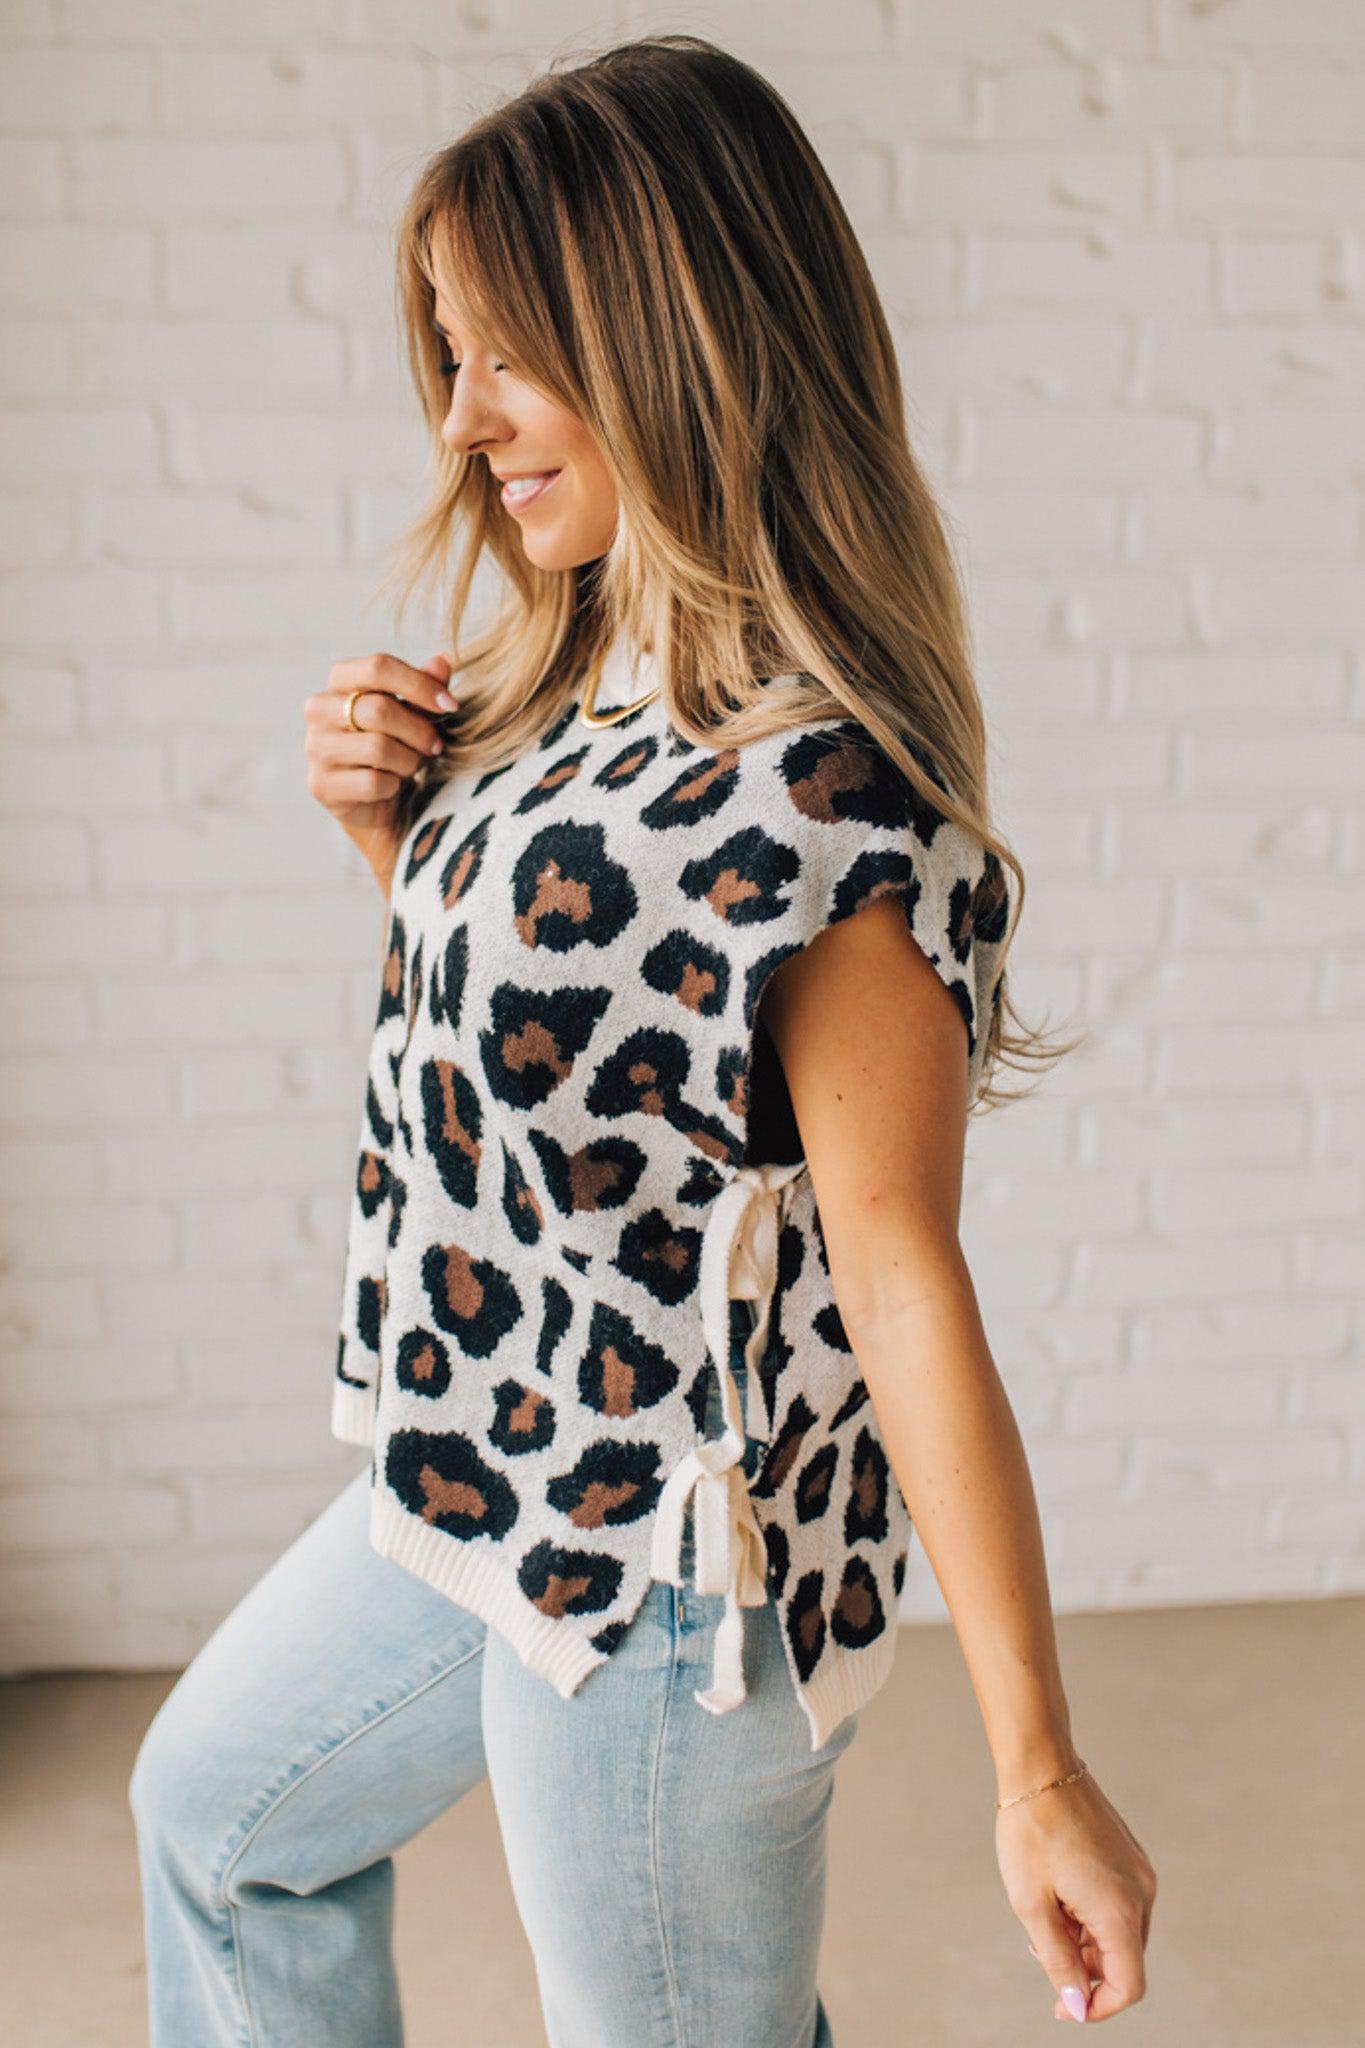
x: 1123, y: 244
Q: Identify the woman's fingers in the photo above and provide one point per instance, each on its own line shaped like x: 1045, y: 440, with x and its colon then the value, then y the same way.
x: 385, y: 673
x: 370, y: 730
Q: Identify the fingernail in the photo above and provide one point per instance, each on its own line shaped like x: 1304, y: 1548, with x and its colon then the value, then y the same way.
x: 445, y: 700
x: 1074, y: 1999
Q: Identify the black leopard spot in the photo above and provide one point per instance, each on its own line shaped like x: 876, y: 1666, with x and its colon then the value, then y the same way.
x: 462, y: 870
x: 828, y: 1326
x: 398, y: 1201
x: 442, y: 1478
x: 520, y: 1202
x: 369, y: 1311
x: 371, y: 1181
x: 742, y: 880
x: 567, y: 891
x: 555, y: 1316
x: 533, y: 1039
x: 732, y: 1082
x: 621, y: 1371
x: 857, y: 1616
x: 423, y: 845
x: 561, y: 1582
x: 814, y: 1482
x: 471, y: 1298
x: 898, y: 1572
x: 865, y: 1515
x: 785, y: 1448
x: 452, y: 1121
x: 378, y: 1125
x: 805, y: 1623
x: 779, y: 1556
x: 393, y: 979
x: 853, y: 1400
x: 609, y: 1484
x: 704, y: 787
x: 524, y: 1419
x: 556, y: 776
x: 600, y: 1175
x: 644, y: 1075
x: 422, y: 1364
x: 447, y: 994
x: 880, y: 872
x: 693, y: 973
x: 627, y: 766
x: 662, y: 1258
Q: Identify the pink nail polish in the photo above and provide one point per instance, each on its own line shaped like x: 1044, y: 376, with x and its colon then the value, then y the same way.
x: 1075, y: 2001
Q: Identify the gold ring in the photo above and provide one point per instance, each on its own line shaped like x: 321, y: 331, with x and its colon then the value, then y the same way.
x: 350, y: 710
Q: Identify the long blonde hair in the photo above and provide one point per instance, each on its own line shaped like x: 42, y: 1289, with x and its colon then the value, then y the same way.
x: 650, y: 238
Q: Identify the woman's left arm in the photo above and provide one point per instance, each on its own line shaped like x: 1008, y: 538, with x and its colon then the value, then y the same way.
x: 874, y: 1052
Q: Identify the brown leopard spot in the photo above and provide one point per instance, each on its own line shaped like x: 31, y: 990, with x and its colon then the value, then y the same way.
x: 837, y: 770
x: 459, y: 876
x: 462, y: 1293
x: 854, y: 1605
x: 589, y: 1179
x: 572, y: 900
x: 449, y: 1496
x: 422, y: 1364
x: 618, y: 1383
x: 554, y: 1601
x: 452, y: 1131
x: 785, y: 1458
x: 598, y: 1501
x: 524, y: 1415
x: 531, y: 1047
x: 730, y: 887
x: 698, y: 986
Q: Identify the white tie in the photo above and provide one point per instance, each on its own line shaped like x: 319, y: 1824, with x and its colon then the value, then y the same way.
x: 738, y: 1262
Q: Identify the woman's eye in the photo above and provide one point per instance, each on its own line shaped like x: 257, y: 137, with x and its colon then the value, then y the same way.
x: 448, y: 369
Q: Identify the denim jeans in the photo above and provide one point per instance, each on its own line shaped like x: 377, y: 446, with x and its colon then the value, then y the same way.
x: 668, y: 1864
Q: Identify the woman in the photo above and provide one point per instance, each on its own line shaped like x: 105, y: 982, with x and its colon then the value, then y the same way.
x: 643, y: 1410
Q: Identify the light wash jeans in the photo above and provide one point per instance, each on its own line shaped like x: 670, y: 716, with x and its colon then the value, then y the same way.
x: 668, y: 1864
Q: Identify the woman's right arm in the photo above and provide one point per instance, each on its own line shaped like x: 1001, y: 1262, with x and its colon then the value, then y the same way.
x: 357, y: 774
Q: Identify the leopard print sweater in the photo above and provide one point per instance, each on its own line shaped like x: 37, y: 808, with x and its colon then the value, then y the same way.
x: 555, y: 1215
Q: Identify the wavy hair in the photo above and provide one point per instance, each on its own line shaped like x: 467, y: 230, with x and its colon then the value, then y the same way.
x: 649, y: 237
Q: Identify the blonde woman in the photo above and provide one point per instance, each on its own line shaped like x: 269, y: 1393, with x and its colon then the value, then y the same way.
x: 654, y: 1315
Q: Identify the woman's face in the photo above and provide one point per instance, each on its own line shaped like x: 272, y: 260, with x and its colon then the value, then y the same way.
x: 523, y: 433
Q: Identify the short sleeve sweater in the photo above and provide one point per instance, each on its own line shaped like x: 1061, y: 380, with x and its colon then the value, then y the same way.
x: 555, y: 1201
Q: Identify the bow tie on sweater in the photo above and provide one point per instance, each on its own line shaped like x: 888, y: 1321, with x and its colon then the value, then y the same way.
x: 738, y: 1262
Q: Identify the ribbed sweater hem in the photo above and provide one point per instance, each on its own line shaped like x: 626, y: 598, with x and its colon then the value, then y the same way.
x: 472, y: 1579
x: 841, y: 1687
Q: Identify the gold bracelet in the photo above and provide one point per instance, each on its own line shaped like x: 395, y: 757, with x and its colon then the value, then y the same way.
x: 1016, y: 1797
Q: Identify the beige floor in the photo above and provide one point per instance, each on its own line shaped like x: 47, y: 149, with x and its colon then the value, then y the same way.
x: 1230, y: 1737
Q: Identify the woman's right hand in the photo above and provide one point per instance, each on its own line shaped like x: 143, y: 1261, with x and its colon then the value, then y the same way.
x: 357, y: 775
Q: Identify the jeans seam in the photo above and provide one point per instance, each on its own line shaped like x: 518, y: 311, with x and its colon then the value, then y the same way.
x: 670, y: 1974
x: 274, y: 1804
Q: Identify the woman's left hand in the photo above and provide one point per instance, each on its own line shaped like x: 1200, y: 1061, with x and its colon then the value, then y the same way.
x: 1082, y: 1885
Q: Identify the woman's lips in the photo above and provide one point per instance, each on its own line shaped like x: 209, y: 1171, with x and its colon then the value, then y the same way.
x: 518, y: 500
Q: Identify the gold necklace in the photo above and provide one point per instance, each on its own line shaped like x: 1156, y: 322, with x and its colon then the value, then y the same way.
x: 599, y: 718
